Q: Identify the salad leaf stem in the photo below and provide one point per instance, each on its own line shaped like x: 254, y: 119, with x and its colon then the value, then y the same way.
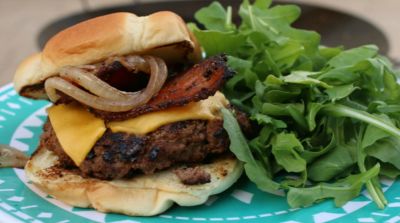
x: 228, y: 20
x: 374, y: 190
x: 339, y: 110
x: 376, y: 194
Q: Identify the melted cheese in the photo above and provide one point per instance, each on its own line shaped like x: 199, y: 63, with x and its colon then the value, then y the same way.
x: 206, y: 110
x: 76, y: 129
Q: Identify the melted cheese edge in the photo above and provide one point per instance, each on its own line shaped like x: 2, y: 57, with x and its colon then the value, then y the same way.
x: 71, y: 122
x: 76, y: 129
x: 206, y: 110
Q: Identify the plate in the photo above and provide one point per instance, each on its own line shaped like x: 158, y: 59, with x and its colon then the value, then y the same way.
x: 21, y: 120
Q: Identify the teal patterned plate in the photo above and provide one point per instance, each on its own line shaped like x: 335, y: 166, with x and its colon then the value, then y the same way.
x: 20, y: 201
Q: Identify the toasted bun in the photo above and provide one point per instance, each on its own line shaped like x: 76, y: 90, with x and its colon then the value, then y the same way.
x: 162, y: 34
x: 143, y: 195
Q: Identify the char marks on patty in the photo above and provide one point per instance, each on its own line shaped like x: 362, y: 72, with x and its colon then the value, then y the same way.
x: 121, y: 155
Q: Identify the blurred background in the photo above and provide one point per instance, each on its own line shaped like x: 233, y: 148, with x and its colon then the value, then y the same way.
x: 26, y: 25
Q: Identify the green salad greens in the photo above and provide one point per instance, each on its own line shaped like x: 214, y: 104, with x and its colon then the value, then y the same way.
x: 328, y: 118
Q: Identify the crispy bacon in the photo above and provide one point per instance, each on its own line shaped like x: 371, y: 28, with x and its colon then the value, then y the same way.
x: 197, y: 83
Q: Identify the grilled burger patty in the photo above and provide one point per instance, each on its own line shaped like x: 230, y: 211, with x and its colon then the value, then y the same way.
x: 121, y: 155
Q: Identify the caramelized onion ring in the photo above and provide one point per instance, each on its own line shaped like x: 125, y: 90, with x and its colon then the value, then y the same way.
x: 106, y: 97
x: 133, y: 63
x: 94, y: 84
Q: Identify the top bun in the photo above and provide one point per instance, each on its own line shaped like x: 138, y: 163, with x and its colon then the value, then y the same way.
x: 163, y: 34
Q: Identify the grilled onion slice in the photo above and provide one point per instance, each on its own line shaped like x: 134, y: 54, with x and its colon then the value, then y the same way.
x: 87, y: 88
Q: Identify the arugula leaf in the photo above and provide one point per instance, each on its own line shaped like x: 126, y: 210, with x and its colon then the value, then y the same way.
x: 389, y: 170
x: 343, y: 111
x: 313, y: 109
x: 329, y: 52
x: 239, y: 144
x: 214, y: 17
x: 353, y: 56
x: 302, y: 77
x: 388, y: 108
x: 387, y: 150
x: 254, y: 170
x: 339, y: 76
x: 286, y: 54
x: 311, y: 155
x: 297, y: 116
x: 286, y: 149
x: 215, y: 42
x: 340, y: 158
x: 341, y: 191
x: 371, y: 135
x: 340, y: 92
x: 265, y: 119
x: 373, y: 186
x: 262, y: 4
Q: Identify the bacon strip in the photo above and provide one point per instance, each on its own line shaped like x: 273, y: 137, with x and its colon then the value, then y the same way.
x: 197, y: 83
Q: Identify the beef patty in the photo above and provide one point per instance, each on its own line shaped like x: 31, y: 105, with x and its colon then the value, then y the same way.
x: 121, y: 155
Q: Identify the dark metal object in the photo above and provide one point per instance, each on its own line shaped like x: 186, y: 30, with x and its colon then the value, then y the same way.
x: 336, y: 28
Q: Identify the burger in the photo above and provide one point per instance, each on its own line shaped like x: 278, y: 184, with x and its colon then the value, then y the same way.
x: 135, y: 123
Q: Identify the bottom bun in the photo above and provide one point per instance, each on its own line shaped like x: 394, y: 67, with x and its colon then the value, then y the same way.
x: 143, y: 195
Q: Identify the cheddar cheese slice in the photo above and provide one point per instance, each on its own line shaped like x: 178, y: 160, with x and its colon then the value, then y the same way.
x: 76, y: 129
x: 206, y: 110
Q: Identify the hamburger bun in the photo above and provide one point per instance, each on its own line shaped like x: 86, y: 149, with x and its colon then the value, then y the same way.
x: 162, y: 34
x: 143, y: 195
x: 96, y: 39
